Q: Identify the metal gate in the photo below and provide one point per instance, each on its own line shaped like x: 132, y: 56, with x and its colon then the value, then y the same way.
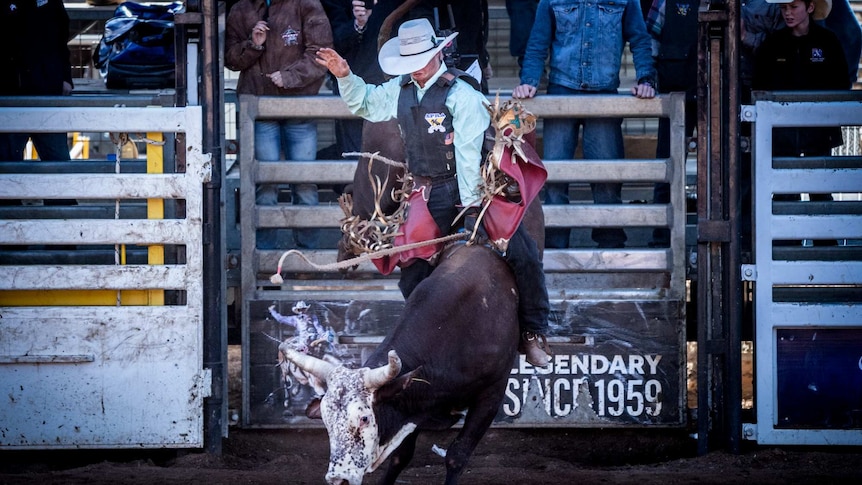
x: 807, y: 278
x: 102, y: 352
x: 618, y: 315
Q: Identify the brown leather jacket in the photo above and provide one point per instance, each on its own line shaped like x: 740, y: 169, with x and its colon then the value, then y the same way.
x: 298, y: 28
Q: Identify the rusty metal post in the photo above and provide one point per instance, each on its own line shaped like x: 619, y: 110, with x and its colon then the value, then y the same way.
x: 201, y: 20
x: 719, y: 306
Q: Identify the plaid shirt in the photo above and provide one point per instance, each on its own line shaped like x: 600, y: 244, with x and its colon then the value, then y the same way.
x: 655, y: 23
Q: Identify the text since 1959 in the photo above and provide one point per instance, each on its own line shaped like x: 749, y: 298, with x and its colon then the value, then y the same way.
x: 614, y: 386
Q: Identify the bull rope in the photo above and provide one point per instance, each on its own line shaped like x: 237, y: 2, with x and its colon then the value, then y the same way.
x: 370, y: 240
x: 276, y: 279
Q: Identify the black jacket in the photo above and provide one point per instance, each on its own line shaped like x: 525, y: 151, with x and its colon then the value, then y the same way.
x: 35, y: 54
x: 813, y: 62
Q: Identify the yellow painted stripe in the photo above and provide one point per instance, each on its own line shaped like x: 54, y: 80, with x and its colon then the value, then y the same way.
x: 155, y: 210
x: 74, y: 297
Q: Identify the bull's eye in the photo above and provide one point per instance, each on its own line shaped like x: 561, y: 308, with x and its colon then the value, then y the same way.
x: 364, y: 421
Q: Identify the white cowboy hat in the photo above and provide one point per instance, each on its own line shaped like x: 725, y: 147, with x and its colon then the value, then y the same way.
x: 300, y: 307
x: 821, y: 7
x: 415, y: 45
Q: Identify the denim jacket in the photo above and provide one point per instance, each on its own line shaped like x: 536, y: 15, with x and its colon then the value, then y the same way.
x: 585, y: 39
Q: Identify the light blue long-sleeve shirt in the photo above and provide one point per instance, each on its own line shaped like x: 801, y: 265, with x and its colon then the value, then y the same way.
x: 469, y: 120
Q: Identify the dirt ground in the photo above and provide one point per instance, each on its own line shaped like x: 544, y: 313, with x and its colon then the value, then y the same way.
x: 505, y: 456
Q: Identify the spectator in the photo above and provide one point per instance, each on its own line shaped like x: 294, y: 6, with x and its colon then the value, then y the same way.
x: 470, y: 20
x: 673, y: 27
x: 760, y: 18
x: 35, y: 59
x: 273, y: 45
x: 803, y: 56
x: 355, y: 38
x: 521, y: 13
x: 586, y: 46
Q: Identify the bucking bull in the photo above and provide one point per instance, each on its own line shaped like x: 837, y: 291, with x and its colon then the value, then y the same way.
x: 448, y: 357
x: 450, y: 352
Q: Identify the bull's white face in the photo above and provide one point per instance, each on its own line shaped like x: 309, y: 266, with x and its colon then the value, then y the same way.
x: 349, y: 420
x: 346, y: 409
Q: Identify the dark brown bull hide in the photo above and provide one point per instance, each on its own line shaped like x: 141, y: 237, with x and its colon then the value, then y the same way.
x: 382, y: 137
x: 452, y: 350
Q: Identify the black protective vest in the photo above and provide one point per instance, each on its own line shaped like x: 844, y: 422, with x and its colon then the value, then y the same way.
x: 677, y: 58
x: 426, y: 127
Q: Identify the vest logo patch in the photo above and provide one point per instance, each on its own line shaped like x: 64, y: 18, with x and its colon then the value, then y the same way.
x: 682, y: 9
x: 435, y: 122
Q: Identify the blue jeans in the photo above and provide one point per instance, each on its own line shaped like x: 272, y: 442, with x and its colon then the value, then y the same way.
x: 603, y: 139
x: 53, y: 147
x: 297, y: 140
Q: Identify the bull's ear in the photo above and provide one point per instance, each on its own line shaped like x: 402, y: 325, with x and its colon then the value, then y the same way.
x: 393, y: 387
x: 312, y: 411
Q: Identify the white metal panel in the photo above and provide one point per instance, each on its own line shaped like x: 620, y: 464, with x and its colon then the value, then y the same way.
x: 113, y: 376
x: 772, y: 316
x: 143, y: 385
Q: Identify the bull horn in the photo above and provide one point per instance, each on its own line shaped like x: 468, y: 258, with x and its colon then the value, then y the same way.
x: 317, y: 367
x: 375, y: 378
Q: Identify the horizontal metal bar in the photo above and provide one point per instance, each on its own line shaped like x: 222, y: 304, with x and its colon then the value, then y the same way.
x: 545, y: 106
x: 47, y: 359
x: 99, y: 186
x: 815, y: 227
x: 112, y: 119
x: 121, y: 277
x: 626, y: 170
x: 334, y: 171
x: 622, y: 260
x: 806, y: 96
x: 817, y: 273
x: 808, y: 315
x: 99, y: 231
x: 318, y: 171
x: 572, y: 215
x: 555, y: 260
x: 809, y: 113
x: 610, y: 215
x: 817, y: 181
